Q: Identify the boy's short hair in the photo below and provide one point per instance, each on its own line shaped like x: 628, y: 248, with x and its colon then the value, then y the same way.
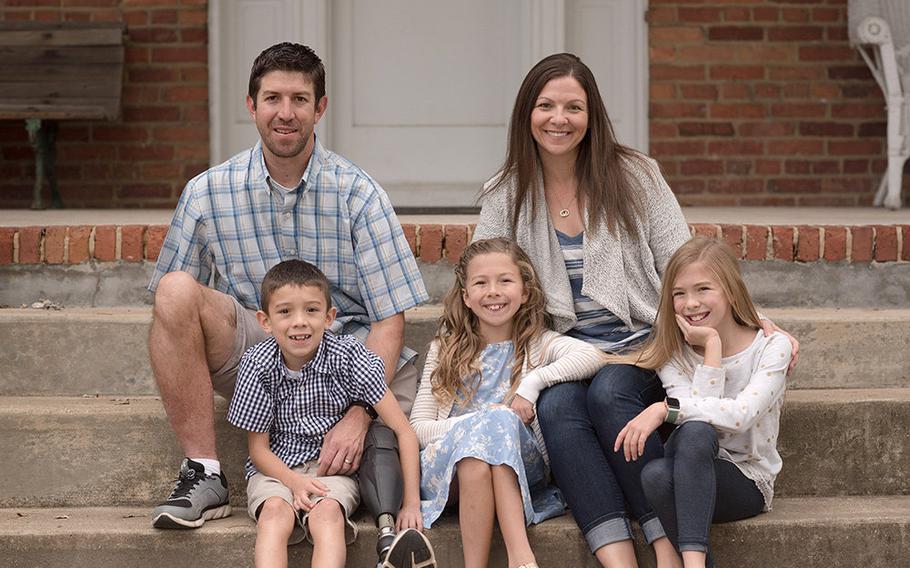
x: 296, y: 273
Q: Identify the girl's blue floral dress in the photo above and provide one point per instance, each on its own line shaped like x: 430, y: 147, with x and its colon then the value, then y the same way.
x: 492, y: 434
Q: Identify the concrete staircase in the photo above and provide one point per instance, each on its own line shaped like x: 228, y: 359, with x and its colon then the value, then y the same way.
x: 87, y: 449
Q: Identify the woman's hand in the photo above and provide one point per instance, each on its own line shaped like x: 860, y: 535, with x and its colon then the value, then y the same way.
x: 523, y: 408
x: 770, y: 327
x: 635, y: 433
x: 409, y: 517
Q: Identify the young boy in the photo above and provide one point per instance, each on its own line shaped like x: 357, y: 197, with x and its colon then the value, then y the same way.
x: 291, y: 389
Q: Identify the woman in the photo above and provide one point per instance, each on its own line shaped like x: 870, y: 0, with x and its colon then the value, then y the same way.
x: 600, y: 224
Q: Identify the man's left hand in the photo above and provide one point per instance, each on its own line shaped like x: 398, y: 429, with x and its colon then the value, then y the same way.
x: 343, y: 445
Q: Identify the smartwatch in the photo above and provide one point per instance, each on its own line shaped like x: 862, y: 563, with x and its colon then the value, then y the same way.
x: 371, y: 412
x: 672, y: 410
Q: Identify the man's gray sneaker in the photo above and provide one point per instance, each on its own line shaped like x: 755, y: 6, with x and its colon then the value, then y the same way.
x: 196, y: 498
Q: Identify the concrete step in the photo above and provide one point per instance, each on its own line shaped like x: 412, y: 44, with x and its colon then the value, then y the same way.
x: 101, y: 350
x: 873, y: 532
x: 86, y: 451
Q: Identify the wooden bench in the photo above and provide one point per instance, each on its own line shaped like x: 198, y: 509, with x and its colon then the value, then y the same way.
x: 58, y: 71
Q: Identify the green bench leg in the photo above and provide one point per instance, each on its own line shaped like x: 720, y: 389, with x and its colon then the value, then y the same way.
x: 43, y: 136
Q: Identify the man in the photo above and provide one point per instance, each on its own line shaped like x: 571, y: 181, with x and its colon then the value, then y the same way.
x: 287, y: 197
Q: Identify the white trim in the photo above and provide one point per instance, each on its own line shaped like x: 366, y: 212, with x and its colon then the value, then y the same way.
x: 214, y: 53
x: 642, y: 117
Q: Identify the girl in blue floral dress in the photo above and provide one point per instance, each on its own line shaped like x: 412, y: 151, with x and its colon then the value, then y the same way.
x: 474, y: 413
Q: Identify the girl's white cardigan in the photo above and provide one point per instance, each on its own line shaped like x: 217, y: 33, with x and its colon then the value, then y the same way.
x: 554, y: 357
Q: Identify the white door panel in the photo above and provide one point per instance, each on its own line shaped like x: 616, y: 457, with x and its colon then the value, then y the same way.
x: 420, y: 91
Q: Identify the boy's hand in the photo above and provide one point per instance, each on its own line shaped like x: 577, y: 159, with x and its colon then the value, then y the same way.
x: 633, y: 436
x: 409, y: 517
x: 305, y: 487
x: 696, y: 336
x: 523, y: 408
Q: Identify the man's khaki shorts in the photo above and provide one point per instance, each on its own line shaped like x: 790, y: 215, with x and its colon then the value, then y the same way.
x: 249, y: 333
x: 341, y: 488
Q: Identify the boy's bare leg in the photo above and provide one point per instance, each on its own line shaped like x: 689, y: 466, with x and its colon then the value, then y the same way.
x: 476, y: 510
x: 192, y: 333
x: 326, y: 525
x: 511, y: 516
x: 276, y: 522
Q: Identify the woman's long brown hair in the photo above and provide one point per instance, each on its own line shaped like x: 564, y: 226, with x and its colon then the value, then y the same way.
x: 606, y: 190
x: 457, y: 375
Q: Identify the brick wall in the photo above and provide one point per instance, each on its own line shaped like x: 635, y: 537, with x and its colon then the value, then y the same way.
x: 763, y: 103
x: 753, y: 102
x: 161, y: 140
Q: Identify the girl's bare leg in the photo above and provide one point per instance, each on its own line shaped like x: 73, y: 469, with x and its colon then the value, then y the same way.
x: 476, y: 510
x: 510, y: 513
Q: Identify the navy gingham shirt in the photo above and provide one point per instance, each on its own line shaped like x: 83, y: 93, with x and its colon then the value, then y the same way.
x: 298, y: 410
x: 231, y: 226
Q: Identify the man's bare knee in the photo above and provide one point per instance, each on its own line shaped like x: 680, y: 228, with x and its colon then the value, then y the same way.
x: 178, y: 296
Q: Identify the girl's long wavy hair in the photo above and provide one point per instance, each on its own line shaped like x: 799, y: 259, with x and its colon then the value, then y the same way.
x: 666, y: 340
x: 605, y: 189
x: 457, y: 375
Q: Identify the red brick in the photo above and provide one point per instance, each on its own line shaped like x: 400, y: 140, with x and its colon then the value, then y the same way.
x: 782, y: 243
x: 795, y: 14
x: 675, y: 34
x: 874, y: 110
x: 733, y: 236
x: 736, y: 33
x: 55, y: 244
x: 796, y: 72
x: 705, y: 229
x: 135, y: 18
x: 154, y: 238
x: 705, y: 129
x: 737, y: 111
x: 698, y: 91
x: 794, y: 185
x: 152, y: 35
x: 131, y: 242
x: 835, y: 244
x: 802, y: 147
x: 799, y: 110
x: 189, y: 54
x: 826, y: 129
x: 410, y: 234
x: 119, y: 133
x: 677, y: 72
x: 678, y: 110
x: 105, y: 248
x: 192, y: 17
x: 662, y: 91
x: 826, y: 53
x: 765, y: 14
x: 699, y: 15
x: 756, y: 242
x: 456, y: 239
x: 807, y: 244
x: 78, y: 249
x: 30, y: 245
x: 184, y: 94
x: 702, y: 167
x: 7, y: 238
x: 854, y: 147
x: 198, y: 133
x: 796, y: 167
x: 678, y: 148
x: 430, y: 243
x: 795, y: 33
x: 735, y: 185
x: 862, y: 244
x: 905, y: 242
x: 739, y: 168
x: 737, y: 72
x: 736, y: 147
x: 846, y: 72
x: 660, y: 15
x: 164, y: 16
x: 826, y: 167
x: 766, y: 129
x: 885, y: 243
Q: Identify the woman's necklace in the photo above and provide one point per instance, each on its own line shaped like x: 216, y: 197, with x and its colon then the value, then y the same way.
x: 564, y: 212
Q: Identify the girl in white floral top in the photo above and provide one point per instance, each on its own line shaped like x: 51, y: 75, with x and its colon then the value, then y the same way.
x: 725, y: 382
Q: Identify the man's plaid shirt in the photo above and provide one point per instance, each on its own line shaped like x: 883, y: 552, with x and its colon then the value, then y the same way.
x: 298, y: 409
x: 231, y: 225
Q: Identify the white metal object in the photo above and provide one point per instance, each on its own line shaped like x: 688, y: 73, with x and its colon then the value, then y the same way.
x: 880, y: 30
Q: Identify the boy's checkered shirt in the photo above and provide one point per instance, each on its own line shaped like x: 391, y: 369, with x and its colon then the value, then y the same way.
x: 298, y: 410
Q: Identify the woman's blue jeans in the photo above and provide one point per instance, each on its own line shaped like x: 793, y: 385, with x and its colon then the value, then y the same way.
x: 580, y: 421
x: 690, y: 486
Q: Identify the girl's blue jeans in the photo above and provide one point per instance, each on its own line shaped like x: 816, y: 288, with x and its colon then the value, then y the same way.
x: 690, y: 486
x: 580, y: 421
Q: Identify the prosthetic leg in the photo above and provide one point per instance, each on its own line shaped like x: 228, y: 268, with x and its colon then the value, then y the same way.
x: 381, y: 485
x: 382, y: 491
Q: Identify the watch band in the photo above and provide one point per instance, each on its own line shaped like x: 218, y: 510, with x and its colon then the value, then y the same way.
x: 371, y: 412
x: 672, y: 410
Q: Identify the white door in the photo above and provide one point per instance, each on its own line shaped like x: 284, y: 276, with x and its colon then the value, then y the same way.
x: 420, y: 91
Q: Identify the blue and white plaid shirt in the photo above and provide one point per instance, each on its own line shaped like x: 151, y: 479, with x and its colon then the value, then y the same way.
x: 231, y: 225
x: 298, y: 409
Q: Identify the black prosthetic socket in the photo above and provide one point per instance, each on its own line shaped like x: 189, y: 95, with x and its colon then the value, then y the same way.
x: 381, y: 484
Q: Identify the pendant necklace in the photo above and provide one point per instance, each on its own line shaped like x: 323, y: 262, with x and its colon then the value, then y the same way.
x: 564, y: 212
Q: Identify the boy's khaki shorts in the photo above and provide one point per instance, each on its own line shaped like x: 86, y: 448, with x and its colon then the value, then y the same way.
x: 341, y: 488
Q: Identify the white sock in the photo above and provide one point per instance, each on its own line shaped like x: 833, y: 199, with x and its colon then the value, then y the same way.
x: 212, y: 467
